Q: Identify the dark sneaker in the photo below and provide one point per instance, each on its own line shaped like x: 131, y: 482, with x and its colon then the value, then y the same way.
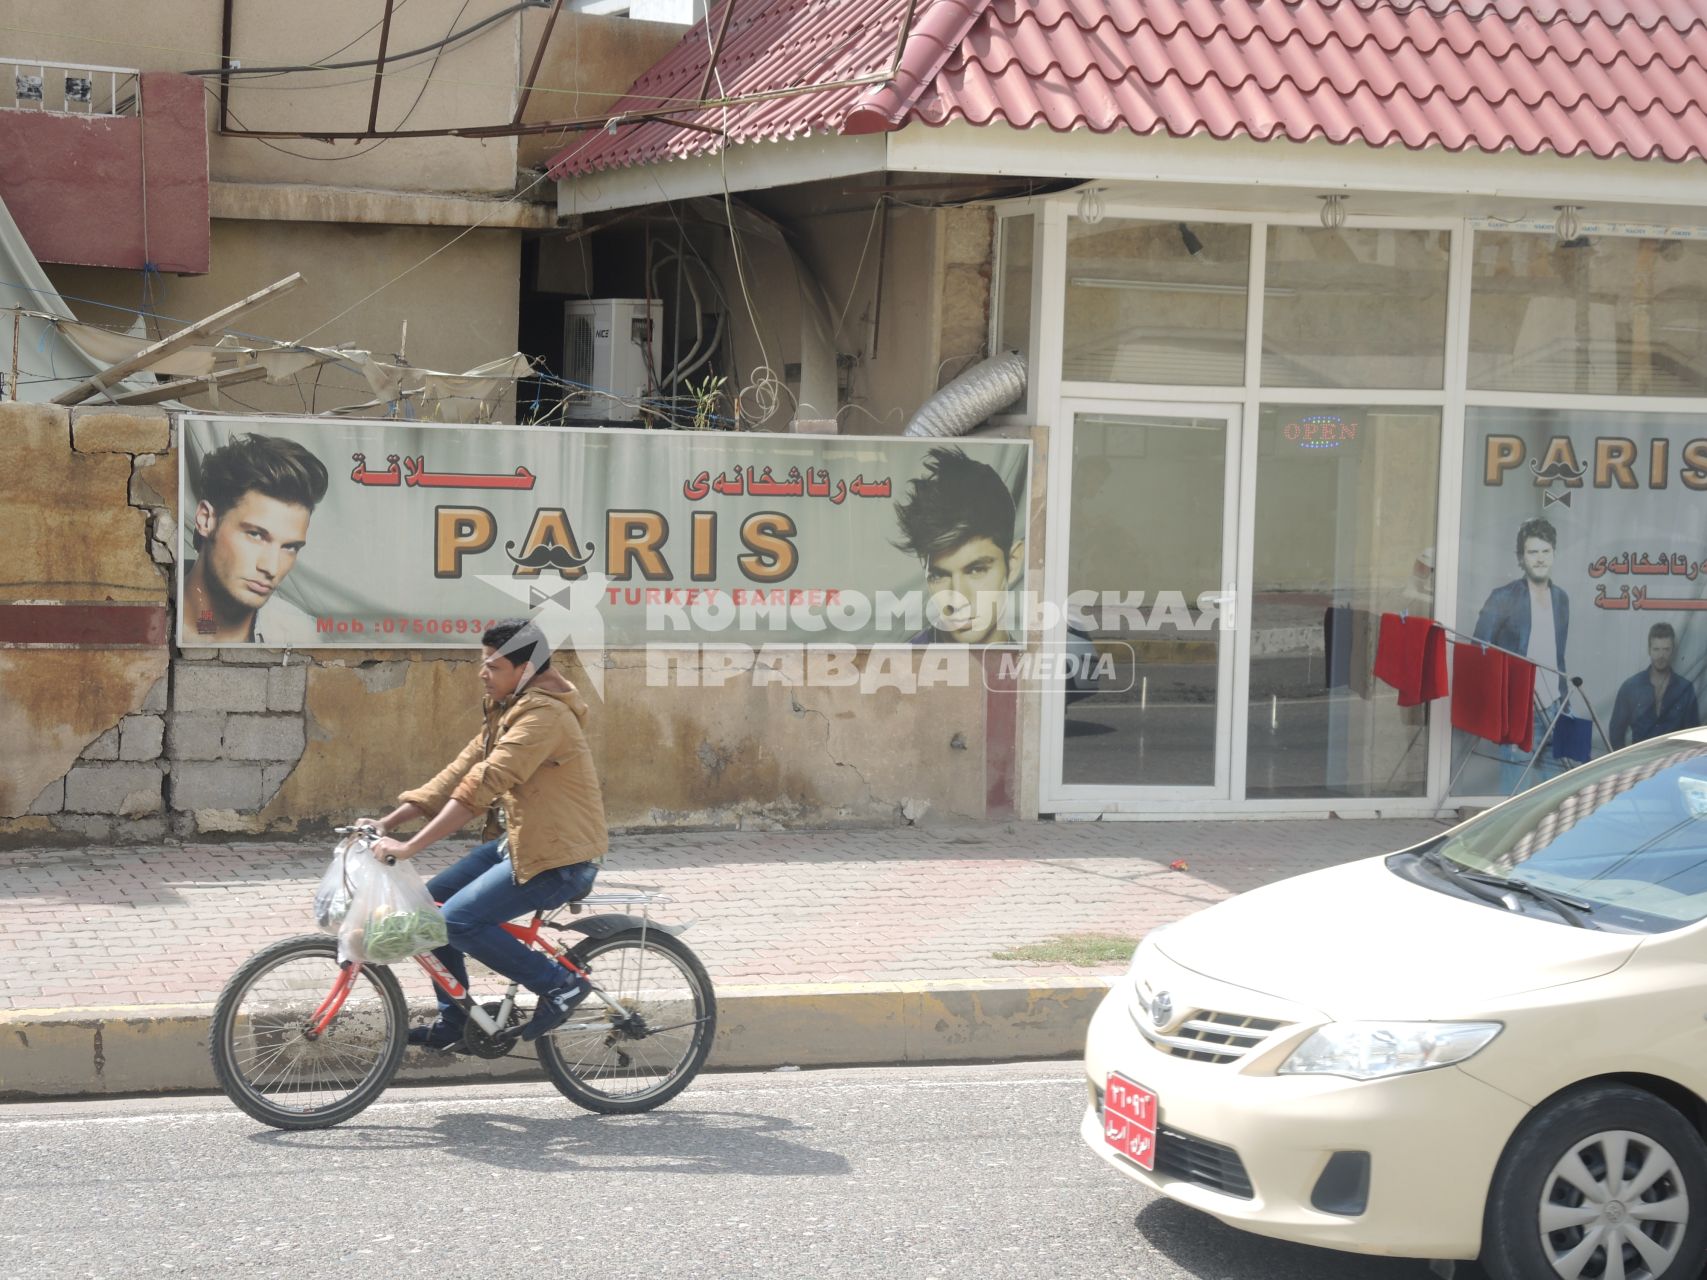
x: 554, y: 1009
x: 441, y: 1035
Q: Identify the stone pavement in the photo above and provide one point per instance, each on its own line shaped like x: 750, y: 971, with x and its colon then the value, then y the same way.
x: 165, y: 925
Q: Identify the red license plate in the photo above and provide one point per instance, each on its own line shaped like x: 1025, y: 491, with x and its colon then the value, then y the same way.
x: 1129, y: 1120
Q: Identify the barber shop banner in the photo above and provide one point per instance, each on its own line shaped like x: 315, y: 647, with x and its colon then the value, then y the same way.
x: 317, y: 533
x: 1584, y: 546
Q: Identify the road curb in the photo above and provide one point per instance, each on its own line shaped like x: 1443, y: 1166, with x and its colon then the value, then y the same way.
x: 89, y: 1052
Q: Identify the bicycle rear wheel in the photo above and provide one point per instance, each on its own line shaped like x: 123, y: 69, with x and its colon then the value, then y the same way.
x: 620, y: 1065
x: 268, y: 1058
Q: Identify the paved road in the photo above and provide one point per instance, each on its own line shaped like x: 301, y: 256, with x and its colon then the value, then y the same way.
x: 946, y: 1172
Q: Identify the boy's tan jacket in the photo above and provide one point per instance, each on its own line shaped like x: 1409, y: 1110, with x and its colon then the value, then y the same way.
x: 533, y: 759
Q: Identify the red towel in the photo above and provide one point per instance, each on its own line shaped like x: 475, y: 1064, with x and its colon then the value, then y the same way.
x: 1400, y: 655
x: 1480, y: 701
x: 1434, y: 679
x: 1520, y: 704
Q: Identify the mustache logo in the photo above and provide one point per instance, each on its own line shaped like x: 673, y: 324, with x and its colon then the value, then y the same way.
x: 1557, y: 471
x: 548, y: 555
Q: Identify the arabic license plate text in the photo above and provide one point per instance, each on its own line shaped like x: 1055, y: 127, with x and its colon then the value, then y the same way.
x: 1129, y: 1120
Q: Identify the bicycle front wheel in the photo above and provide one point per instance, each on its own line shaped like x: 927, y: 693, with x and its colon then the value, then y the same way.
x: 298, y: 1045
x: 620, y: 1063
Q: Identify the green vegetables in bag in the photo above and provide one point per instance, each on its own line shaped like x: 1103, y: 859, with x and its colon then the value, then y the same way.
x: 391, y: 936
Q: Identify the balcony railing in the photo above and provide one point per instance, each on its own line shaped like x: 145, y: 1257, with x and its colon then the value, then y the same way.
x: 57, y: 88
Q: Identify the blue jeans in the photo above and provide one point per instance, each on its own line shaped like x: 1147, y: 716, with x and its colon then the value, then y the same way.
x: 478, y: 894
x: 1513, y: 760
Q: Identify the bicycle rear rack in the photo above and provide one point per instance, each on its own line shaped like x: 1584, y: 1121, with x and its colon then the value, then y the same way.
x: 621, y: 895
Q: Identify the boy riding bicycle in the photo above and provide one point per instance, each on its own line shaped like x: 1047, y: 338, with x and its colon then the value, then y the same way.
x: 531, y: 772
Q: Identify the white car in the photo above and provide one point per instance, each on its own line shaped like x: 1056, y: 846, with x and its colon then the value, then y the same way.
x: 1491, y: 1045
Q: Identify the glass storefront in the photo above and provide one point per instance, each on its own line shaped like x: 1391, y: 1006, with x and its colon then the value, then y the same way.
x: 1355, y: 308
x: 1302, y: 491
x: 1147, y: 543
x: 1346, y: 498
x: 1598, y: 315
x: 1156, y: 302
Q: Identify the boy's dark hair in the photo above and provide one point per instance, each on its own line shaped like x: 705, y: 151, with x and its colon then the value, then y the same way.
x: 955, y: 501
x: 519, y: 641
x: 1662, y: 631
x: 1537, y: 528
x: 269, y: 465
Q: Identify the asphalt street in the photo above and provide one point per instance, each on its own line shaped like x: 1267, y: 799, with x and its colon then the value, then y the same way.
x: 940, y: 1172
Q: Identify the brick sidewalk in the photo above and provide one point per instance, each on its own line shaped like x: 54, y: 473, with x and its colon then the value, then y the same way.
x: 167, y: 925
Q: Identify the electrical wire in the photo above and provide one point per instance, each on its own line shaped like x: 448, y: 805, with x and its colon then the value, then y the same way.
x: 451, y: 37
x: 407, y: 115
x: 395, y: 10
x: 764, y: 387
x: 853, y: 289
x: 436, y: 252
x: 654, y: 101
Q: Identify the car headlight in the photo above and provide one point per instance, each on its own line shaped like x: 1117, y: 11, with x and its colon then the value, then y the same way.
x: 1373, y: 1050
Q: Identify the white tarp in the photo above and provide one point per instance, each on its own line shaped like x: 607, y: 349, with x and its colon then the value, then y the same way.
x: 49, y: 361
x: 56, y: 351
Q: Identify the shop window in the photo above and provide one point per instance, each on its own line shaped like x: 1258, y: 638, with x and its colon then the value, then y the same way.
x: 1597, y: 315
x: 1148, y: 522
x: 1345, y: 530
x: 1595, y: 518
x: 1356, y: 307
x: 1156, y: 302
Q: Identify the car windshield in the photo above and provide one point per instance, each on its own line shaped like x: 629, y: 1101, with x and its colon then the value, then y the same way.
x: 1627, y: 834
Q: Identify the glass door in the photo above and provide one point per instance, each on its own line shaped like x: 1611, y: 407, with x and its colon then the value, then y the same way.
x: 1147, y: 560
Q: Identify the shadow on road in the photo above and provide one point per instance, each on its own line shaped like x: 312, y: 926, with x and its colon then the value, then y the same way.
x: 676, y: 1141
x: 1204, y: 1247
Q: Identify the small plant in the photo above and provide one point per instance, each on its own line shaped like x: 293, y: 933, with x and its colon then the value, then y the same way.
x: 707, y: 399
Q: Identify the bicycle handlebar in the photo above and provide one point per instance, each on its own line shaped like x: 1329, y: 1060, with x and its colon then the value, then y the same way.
x: 369, y: 834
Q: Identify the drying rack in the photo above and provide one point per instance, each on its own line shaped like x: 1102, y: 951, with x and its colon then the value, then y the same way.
x: 1573, y: 685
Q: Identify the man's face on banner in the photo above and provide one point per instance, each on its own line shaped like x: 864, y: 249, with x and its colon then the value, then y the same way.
x: 1659, y: 653
x: 967, y: 584
x: 1537, y: 559
x: 249, y: 549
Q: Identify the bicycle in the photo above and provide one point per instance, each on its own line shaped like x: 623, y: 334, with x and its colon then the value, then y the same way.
x: 302, y: 1041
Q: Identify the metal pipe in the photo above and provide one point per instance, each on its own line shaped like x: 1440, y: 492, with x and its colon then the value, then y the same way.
x: 538, y: 57
x: 716, y: 49
x: 224, y: 69
x: 475, y: 131
x: 379, y: 66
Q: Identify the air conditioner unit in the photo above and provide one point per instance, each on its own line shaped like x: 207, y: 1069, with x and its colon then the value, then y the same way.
x: 606, y: 342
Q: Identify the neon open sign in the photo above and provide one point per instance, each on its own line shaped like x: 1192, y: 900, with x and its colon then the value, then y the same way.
x: 1320, y: 431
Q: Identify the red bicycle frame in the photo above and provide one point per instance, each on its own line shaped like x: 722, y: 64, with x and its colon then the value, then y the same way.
x: 443, y: 979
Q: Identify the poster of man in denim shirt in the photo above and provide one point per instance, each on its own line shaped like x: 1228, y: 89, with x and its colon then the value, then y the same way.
x: 1656, y: 699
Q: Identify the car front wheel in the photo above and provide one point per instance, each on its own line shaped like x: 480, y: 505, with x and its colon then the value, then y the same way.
x: 1605, y: 1182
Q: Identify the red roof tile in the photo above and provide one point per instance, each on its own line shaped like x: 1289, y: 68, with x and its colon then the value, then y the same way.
x: 1608, y: 77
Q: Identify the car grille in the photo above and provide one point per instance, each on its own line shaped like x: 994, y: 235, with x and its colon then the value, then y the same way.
x: 1196, y: 1160
x: 1208, y: 1164
x: 1208, y: 1035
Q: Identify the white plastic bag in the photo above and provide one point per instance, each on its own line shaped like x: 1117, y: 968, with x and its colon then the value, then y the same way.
x: 350, y: 865
x: 391, y: 917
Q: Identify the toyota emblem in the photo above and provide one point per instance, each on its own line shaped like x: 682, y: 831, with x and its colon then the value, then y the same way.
x: 1161, y: 1008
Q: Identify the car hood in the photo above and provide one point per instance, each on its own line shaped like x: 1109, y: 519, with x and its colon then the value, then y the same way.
x: 1358, y: 941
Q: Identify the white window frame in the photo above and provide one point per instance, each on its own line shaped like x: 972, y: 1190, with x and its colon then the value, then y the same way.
x: 1049, y: 396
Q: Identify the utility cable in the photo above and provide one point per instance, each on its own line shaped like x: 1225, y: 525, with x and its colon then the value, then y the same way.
x: 452, y: 37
